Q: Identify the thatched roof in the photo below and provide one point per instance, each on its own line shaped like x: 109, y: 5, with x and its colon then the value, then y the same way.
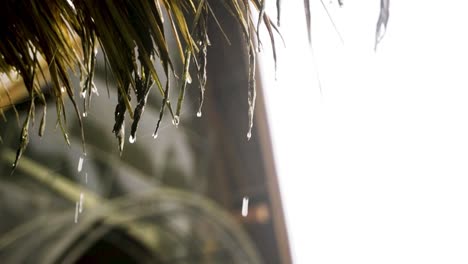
x: 43, y: 40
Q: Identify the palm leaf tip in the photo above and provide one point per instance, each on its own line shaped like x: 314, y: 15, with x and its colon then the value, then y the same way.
x: 382, y: 21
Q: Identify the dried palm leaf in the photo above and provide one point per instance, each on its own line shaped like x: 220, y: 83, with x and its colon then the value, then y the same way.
x: 133, y: 36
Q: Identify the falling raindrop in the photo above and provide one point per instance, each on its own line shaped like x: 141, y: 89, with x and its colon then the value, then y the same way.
x: 245, y: 206
x: 80, y: 209
x: 76, y: 212
x: 199, y: 114
x: 80, y: 164
x: 131, y: 139
x: 155, y: 135
x: 176, y: 120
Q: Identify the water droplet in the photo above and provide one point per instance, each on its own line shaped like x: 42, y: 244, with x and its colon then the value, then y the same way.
x: 85, y: 114
x: 62, y: 89
x: 199, y: 114
x: 95, y: 52
x: 245, y: 206
x: 94, y: 89
x: 176, y: 121
x: 83, y: 94
x: 249, y: 135
x: 188, y: 78
x: 131, y: 139
x: 80, y: 164
x: 76, y: 212
x: 155, y: 135
x: 80, y: 208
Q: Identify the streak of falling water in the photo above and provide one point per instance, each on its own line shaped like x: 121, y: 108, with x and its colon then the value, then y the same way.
x: 245, y: 206
x: 80, y: 209
x: 80, y: 164
x: 76, y: 212
x: 86, y: 177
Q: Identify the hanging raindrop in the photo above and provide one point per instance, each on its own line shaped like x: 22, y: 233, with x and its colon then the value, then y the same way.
x: 199, y: 114
x: 94, y: 90
x: 188, y: 78
x: 155, y: 135
x: 131, y: 139
x: 176, y: 121
x: 249, y: 135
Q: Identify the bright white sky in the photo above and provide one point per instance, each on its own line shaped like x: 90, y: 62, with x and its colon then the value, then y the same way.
x: 374, y: 170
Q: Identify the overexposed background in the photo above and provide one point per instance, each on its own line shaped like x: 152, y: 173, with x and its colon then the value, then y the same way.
x: 373, y: 165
